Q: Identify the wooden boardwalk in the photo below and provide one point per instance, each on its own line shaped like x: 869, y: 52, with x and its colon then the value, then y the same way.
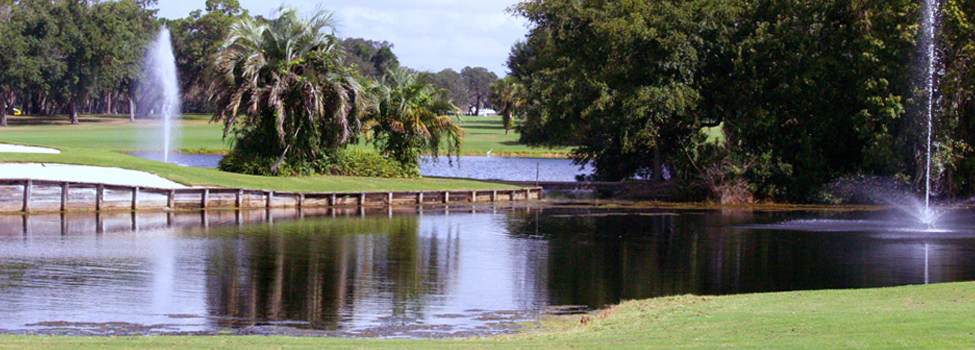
x: 26, y: 196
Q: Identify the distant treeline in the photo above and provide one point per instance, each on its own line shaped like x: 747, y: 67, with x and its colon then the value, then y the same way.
x: 85, y: 57
x: 807, y: 92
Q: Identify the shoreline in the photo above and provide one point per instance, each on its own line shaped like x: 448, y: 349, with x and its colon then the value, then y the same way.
x: 930, y: 316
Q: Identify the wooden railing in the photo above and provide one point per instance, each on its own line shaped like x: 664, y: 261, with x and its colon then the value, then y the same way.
x: 84, y: 196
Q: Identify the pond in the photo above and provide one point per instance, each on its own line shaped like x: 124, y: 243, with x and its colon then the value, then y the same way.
x: 481, y: 168
x: 432, y: 272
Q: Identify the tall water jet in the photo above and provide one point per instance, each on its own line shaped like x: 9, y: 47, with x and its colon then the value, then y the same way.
x: 162, y: 82
x: 929, y: 26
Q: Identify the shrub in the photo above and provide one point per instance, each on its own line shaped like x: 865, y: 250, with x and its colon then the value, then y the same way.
x: 342, y: 162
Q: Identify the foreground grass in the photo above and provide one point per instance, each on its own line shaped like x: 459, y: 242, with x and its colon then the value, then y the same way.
x: 934, y: 317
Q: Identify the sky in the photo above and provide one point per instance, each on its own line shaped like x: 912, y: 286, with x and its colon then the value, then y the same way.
x: 429, y: 35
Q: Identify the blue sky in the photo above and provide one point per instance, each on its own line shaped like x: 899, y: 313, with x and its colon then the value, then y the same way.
x: 426, y: 34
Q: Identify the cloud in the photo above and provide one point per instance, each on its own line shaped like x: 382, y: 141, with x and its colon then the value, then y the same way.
x: 426, y: 34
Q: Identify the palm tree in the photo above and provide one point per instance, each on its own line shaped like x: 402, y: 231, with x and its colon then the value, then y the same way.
x: 409, y: 117
x: 280, y: 90
x: 506, y: 96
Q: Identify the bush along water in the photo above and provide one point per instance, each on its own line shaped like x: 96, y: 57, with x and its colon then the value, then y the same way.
x: 341, y: 163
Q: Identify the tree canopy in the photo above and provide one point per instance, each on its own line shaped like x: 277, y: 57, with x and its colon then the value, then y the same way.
x: 478, y: 81
x: 71, y: 55
x: 617, y: 79
x: 806, y: 92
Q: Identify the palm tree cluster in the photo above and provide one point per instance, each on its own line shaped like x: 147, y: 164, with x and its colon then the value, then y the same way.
x: 282, y: 92
x: 409, y: 117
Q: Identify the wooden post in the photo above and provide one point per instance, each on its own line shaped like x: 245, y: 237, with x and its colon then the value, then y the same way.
x: 135, y: 198
x: 389, y: 199
x: 301, y: 201
x: 27, y: 188
x: 446, y: 197
x: 99, y: 224
x: 64, y: 195
x: 171, y: 199
x: 238, y: 200
x: 269, y: 199
x: 362, y: 199
x: 494, y: 196
x: 419, y: 198
x: 331, y: 200
x: 473, y: 196
x: 204, y: 198
x: 511, y: 196
x: 99, y: 196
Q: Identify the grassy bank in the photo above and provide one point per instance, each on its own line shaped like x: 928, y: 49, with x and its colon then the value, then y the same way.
x: 101, y: 141
x: 934, y: 317
x: 213, y: 177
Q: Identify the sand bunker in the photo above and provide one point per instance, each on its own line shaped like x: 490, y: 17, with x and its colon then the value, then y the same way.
x: 7, y: 148
x: 83, y: 173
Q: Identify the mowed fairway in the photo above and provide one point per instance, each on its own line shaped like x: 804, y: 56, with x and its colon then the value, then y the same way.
x: 195, y: 134
x: 916, y: 317
x: 104, y: 141
x: 114, y: 133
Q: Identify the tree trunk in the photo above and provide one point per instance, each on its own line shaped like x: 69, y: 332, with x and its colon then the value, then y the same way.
x: 477, y: 106
x: 43, y: 105
x: 74, y: 113
x: 131, y: 109
x: 108, y: 103
x: 658, y: 168
x: 3, y: 109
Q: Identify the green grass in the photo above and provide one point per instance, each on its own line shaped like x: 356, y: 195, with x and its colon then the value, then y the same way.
x: 916, y: 317
x: 715, y: 134
x: 195, y: 134
x: 487, y: 134
x: 101, y: 141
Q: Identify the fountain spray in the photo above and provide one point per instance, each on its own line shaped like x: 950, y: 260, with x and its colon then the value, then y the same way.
x: 929, y: 27
x: 162, y: 74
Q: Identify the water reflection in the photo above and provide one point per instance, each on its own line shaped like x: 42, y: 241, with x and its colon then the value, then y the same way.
x: 597, y: 259
x: 435, y: 273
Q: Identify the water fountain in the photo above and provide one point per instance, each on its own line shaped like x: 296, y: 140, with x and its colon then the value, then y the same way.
x: 911, y: 214
x: 929, y: 26
x: 162, y: 80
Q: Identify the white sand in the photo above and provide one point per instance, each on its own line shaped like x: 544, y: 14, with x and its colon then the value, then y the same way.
x: 6, y: 148
x: 83, y: 173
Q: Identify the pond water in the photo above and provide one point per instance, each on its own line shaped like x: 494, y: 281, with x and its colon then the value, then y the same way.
x: 481, y: 168
x: 503, y: 168
x: 470, y: 270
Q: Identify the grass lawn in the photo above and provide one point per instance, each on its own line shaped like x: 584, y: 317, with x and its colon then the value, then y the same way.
x: 715, y: 134
x: 195, y: 134
x: 487, y: 134
x: 101, y: 141
x: 932, y: 317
